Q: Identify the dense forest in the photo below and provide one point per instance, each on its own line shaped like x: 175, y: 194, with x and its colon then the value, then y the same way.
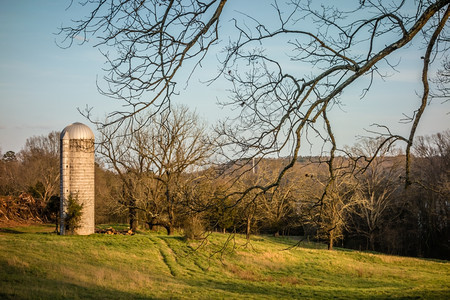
x: 157, y: 180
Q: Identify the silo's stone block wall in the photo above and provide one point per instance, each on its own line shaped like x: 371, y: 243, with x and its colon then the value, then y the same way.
x: 82, y: 181
x: 77, y: 174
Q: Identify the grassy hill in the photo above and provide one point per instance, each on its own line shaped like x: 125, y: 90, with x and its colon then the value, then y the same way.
x: 37, y: 264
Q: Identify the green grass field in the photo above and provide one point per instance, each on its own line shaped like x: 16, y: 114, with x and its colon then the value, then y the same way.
x: 37, y: 264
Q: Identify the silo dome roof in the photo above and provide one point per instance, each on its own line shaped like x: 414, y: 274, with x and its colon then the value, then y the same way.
x: 77, y: 131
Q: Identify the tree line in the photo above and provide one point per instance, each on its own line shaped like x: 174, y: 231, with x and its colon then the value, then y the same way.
x: 169, y: 174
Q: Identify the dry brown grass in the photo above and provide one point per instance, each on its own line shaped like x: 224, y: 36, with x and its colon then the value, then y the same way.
x: 15, y: 261
x: 241, y: 273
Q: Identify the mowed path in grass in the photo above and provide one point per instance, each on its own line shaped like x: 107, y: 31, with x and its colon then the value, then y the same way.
x: 37, y: 264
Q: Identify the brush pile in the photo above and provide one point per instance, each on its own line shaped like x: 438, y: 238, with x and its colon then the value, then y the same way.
x: 21, y: 209
x: 113, y: 231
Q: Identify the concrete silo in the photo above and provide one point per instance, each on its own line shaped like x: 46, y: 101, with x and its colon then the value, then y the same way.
x: 77, y: 174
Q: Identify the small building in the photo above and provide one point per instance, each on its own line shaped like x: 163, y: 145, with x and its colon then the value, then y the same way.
x: 77, y: 175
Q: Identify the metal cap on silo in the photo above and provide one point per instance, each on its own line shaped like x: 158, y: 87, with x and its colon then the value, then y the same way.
x: 77, y: 131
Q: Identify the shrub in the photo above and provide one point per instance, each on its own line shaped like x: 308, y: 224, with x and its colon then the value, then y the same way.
x: 74, y: 213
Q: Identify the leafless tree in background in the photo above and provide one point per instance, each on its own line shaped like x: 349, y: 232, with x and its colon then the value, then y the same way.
x: 9, y: 170
x: 30, y: 179
x: 156, y: 162
x: 376, y: 186
x: 431, y: 193
x: 278, y: 205
x: 442, y: 82
x: 328, y: 213
x: 40, y: 163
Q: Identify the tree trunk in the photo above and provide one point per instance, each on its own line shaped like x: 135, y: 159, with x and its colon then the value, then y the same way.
x: 167, y: 226
x: 151, y: 225
x: 249, y: 222
x: 132, y: 214
x: 170, y: 225
x: 330, y: 243
x: 170, y: 211
x: 169, y: 229
x: 372, y: 241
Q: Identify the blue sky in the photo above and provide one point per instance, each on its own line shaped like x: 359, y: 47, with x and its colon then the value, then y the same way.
x: 41, y: 85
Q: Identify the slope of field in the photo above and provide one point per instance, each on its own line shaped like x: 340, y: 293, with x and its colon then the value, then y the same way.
x: 37, y: 264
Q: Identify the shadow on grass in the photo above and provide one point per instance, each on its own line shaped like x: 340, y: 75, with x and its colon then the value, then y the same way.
x: 257, y: 290
x: 32, y: 228
x: 10, y: 231
x: 20, y: 282
x: 292, y: 241
x: 172, y: 237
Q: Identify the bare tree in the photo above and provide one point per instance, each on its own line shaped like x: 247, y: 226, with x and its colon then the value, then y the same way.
x: 278, y: 205
x: 273, y: 210
x: 9, y: 172
x: 376, y: 185
x: 155, y: 162
x: 431, y: 193
x: 40, y: 165
x: 34, y: 169
x: 442, y: 81
x: 328, y: 214
x: 152, y: 39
